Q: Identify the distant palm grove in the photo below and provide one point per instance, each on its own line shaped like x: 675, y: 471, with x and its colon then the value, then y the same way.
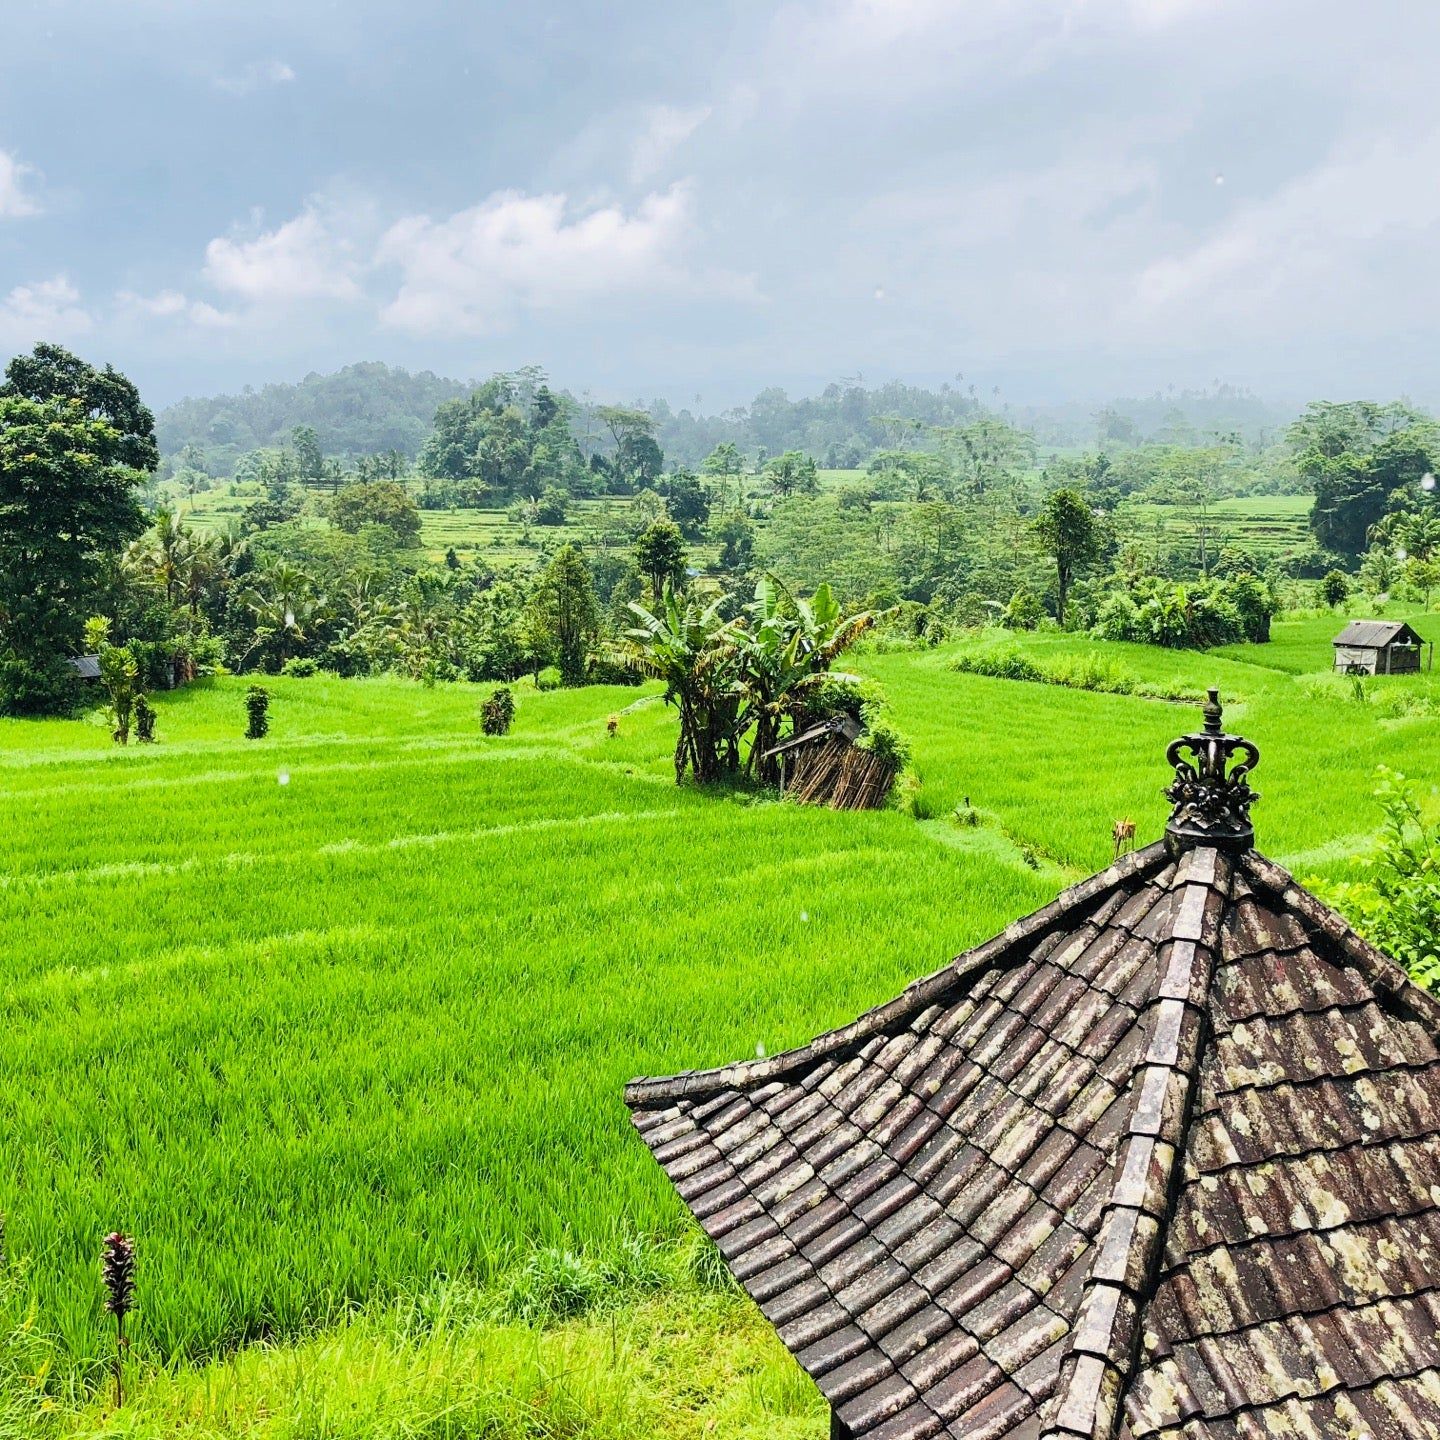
x: 374, y: 521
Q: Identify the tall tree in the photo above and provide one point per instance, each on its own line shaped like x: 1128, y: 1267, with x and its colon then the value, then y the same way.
x: 565, y: 612
x: 75, y: 444
x: 661, y: 557
x: 1071, y: 534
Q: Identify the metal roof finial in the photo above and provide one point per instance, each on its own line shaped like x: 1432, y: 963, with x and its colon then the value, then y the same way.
x: 1212, y: 798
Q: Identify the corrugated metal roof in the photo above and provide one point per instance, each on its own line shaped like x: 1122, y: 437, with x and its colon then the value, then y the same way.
x: 87, y: 667
x: 1165, y: 1155
x: 1376, y: 634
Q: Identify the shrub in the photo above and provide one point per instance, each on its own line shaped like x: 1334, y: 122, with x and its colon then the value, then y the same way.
x: 1399, y: 908
x: 299, y: 665
x: 1024, y: 612
x: 144, y: 721
x: 257, y: 710
x: 883, y: 740
x: 1003, y: 664
x: 1335, y: 588
x: 498, y: 711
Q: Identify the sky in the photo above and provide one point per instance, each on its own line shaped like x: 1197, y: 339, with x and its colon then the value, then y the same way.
x: 1052, y: 199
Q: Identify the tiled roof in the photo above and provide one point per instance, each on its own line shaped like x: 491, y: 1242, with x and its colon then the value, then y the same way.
x: 1161, y: 1161
x: 1375, y: 634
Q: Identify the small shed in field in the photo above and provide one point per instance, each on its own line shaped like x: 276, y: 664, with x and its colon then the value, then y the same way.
x: 823, y: 766
x: 87, y: 667
x: 1378, y: 647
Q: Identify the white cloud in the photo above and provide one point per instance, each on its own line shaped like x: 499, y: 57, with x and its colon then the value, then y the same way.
x: 1350, y: 242
x: 45, y: 310
x: 16, y: 199
x: 173, y: 305
x: 471, y: 272
x: 667, y: 128
x: 304, y: 259
x: 257, y: 75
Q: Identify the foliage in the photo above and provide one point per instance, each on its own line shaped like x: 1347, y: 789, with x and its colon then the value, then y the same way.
x: 793, y: 472
x: 1398, y: 907
x: 119, y: 676
x: 145, y: 718
x: 1187, y: 616
x: 1335, y: 588
x: 1024, y: 612
x: 1071, y: 535
x: 498, y: 711
x: 75, y: 444
x: 565, y: 615
x: 661, y: 556
x: 257, y: 712
x: 378, y: 502
x: 364, y: 409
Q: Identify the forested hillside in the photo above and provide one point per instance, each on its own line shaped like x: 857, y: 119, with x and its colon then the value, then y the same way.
x: 369, y: 408
x: 361, y: 410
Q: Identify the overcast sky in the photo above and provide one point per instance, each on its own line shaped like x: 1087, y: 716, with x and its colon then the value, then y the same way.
x: 1064, y: 198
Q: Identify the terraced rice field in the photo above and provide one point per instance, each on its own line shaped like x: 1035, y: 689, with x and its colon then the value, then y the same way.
x: 325, y: 1017
x: 1265, y: 525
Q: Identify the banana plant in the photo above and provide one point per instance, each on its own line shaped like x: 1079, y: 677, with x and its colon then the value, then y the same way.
x: 693, y: 649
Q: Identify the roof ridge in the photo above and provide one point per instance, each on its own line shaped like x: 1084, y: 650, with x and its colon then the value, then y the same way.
x: 1104, y: 1342
x: 690, y: 1084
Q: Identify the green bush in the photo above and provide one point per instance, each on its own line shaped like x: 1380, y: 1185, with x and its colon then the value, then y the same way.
x: 1398, y: 908
x: 498, y: 711
x: 1008, y: 663
x: 299, y: 665
x: 257, y: 712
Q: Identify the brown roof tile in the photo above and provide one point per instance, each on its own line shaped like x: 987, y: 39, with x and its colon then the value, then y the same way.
x: 1161, y: 1162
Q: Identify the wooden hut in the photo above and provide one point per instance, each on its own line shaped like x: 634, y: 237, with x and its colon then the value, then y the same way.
x: 87, y: 667
x: 1378, y: 647
x: 1160, y: 1162
x: 823, y: 766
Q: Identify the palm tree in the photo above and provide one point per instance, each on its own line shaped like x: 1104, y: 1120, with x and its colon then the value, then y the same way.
x: 283, y: 599
x: 693, y: 650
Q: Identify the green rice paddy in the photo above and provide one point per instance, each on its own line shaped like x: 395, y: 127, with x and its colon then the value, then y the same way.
x: 332, y: 1018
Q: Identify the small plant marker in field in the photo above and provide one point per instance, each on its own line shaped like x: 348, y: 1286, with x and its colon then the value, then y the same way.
x: 117, y: 1270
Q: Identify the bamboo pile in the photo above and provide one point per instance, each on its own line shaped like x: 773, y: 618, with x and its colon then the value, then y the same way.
x: 834, y: 773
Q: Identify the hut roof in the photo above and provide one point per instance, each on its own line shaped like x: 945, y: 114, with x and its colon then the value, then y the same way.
x: 1161, y: 1161
x: 87, y: 667
x: 843, y: 725
x: 1376, y: 634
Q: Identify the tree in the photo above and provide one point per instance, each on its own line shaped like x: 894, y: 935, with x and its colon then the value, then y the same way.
x: 378, y: 502
x: 565, y: 612
x: 661, y: 556
x: 1071, y: 535
x: 638, y: 457
x: 1335, y: 588
x: 793, y: 471
x: 688, y: 502
x: 309, y: 458
x: 75, y: 444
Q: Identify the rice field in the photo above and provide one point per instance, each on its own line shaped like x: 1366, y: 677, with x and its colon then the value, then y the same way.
x: 332, y: 1018
x: 1264, y: 525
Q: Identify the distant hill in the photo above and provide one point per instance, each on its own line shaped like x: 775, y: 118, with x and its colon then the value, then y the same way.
x: 1176, y: 417
x: 361, y: 410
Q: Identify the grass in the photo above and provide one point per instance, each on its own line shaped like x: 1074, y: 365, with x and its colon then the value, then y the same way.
x: 344, y: 1051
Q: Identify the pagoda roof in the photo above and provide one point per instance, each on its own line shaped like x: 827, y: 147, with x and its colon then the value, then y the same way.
x: 1161, y: 1161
